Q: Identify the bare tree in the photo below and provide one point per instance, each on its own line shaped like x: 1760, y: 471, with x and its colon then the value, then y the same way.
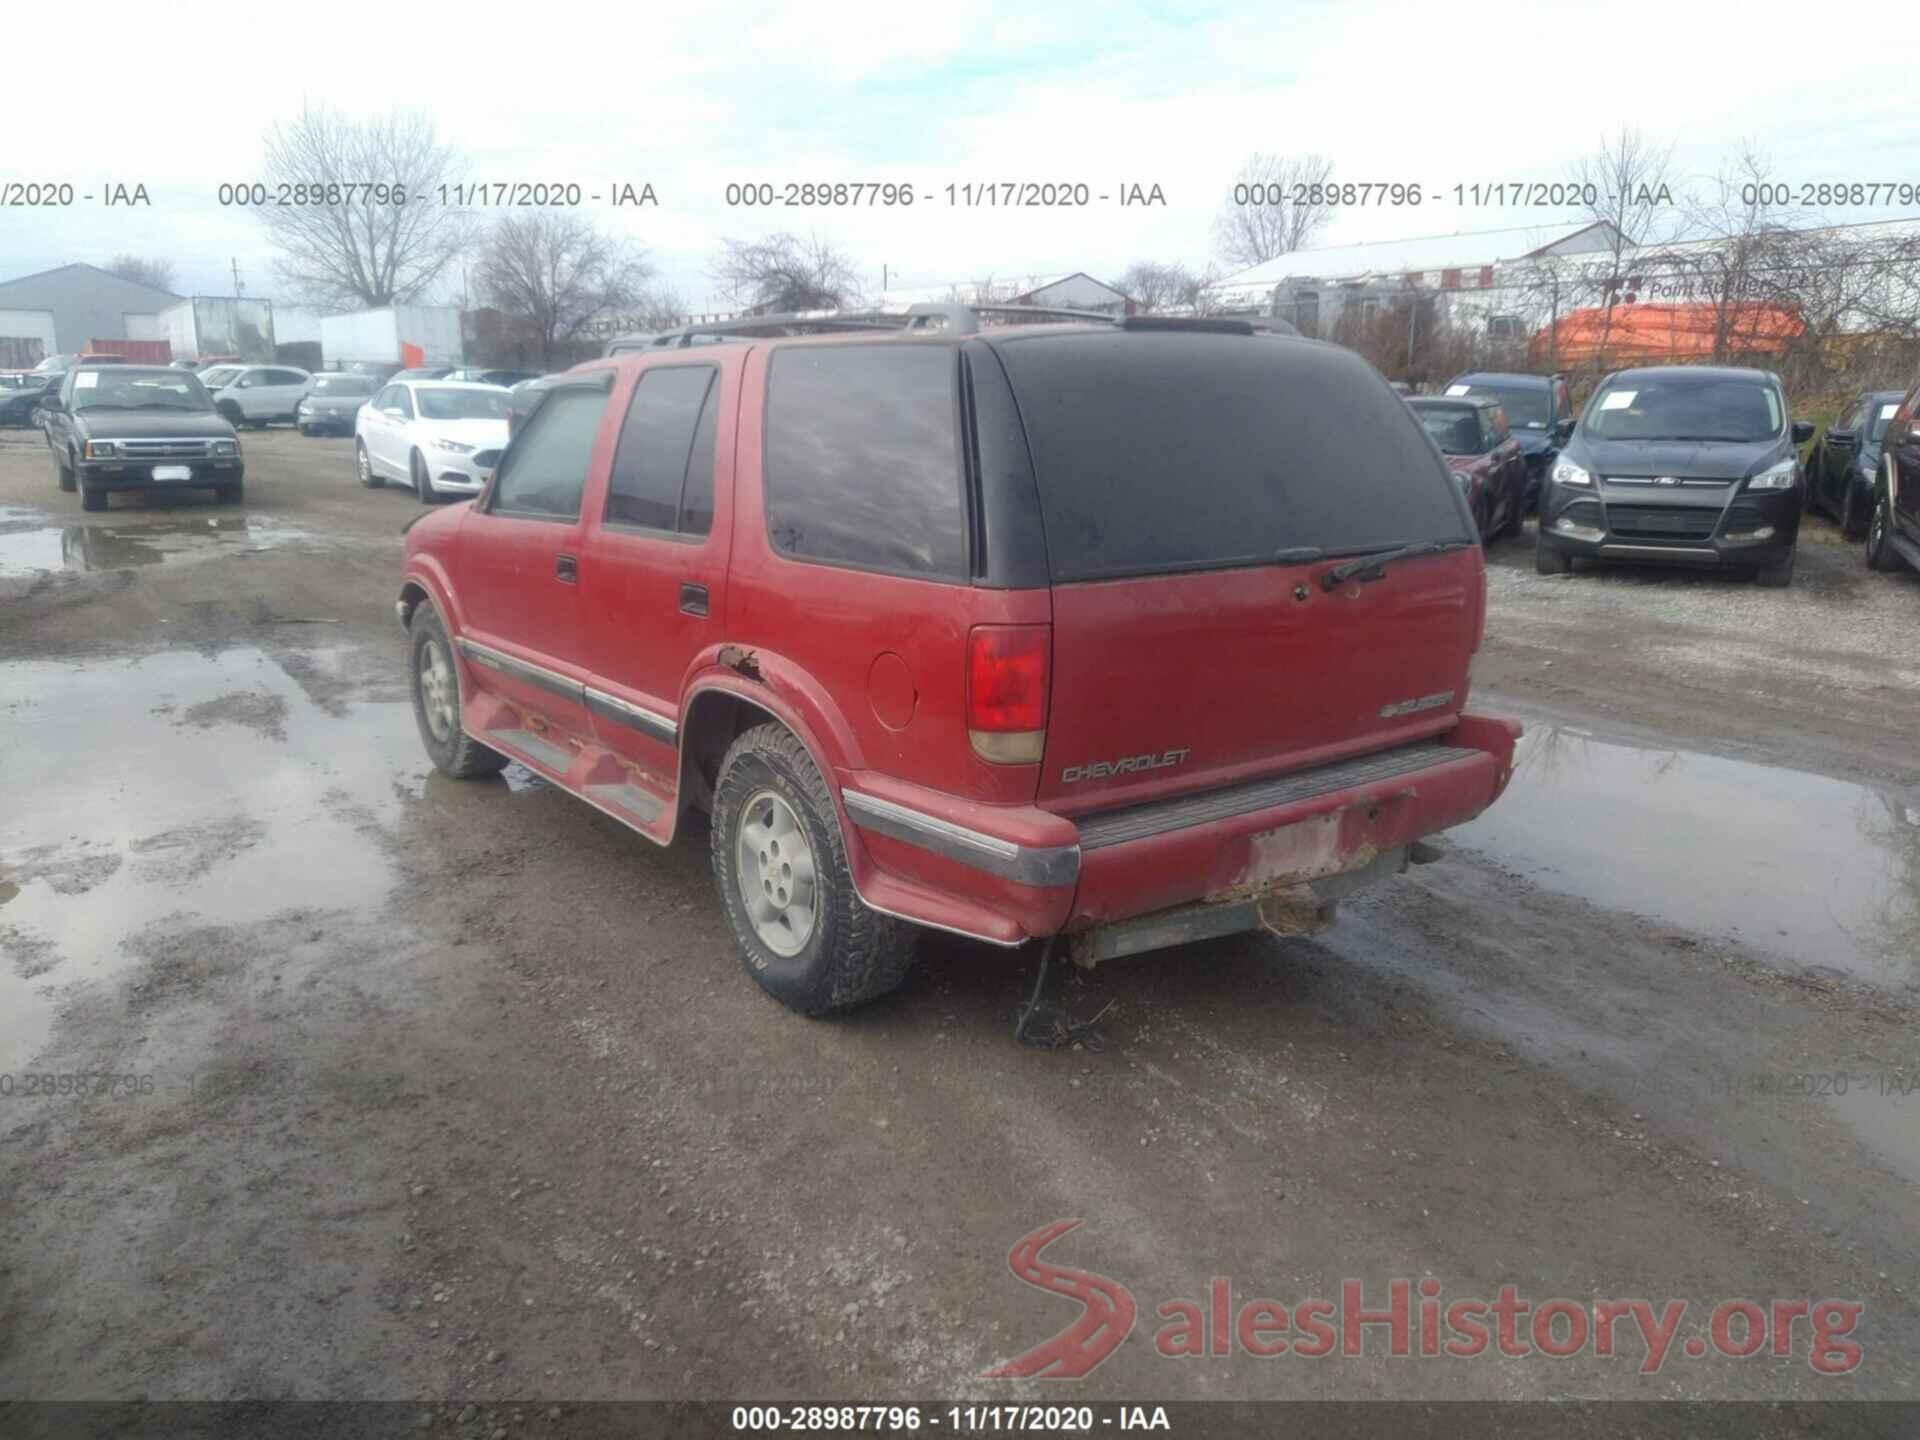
x: 379, y: 234
x: 1154, y: 286
x: 143, y: 270
x: 784, y: 273
x: 554, y: 271
x: 1277, y: 218
x: 1627, y: 185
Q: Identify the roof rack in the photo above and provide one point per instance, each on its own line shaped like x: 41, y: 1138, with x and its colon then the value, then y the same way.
x: 965, y: 319
x: 952, y: 318
x: 755, y: 327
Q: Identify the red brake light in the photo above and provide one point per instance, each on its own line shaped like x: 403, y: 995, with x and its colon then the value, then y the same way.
x: 1007, y: 692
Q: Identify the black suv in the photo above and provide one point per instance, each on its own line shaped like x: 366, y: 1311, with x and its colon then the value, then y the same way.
x: 1539, y: 411
x: 1894, y: 532
x: 1844, y: 462
x: 1679, y: 465
x: 139, y: 427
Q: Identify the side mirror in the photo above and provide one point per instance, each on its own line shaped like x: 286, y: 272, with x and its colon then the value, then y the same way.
x: 1802, y: 431
x: 1563, y: 430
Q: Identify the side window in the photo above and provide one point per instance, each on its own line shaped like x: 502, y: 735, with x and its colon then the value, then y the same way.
x: 1857, y: 422
x: 545, y: 469
x: 288, y: 377
x: 384, y: 400
x: 403, y: 398
x: 653, y: 467
x: 862, y: 461
x: 249, y: 380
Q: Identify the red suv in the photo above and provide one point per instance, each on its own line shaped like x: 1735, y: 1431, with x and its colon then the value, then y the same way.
x: 1125, y: 632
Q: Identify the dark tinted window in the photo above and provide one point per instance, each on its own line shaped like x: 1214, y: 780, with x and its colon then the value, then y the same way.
x: 1164, y: 452
x: 653, y: 464
x: 696, y: 501
x: 545, y: 468
x: 863, y: 457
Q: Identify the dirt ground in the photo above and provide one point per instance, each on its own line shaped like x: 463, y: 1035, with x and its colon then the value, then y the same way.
x: 457, y: 1093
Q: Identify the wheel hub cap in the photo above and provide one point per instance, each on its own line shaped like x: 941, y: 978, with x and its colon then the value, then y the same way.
x: 437, y: 689
x: 774, y: 865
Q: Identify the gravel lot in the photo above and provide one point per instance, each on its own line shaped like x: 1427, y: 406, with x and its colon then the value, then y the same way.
x: 457, y: 1093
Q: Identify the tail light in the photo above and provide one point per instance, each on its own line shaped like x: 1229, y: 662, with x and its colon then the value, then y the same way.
x: 1007, y: 692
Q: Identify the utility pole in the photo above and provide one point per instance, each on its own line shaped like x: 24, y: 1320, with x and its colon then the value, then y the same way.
x: 883, y: 279
x: 238, y: 288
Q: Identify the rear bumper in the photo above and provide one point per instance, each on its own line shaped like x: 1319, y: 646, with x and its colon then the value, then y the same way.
x: 1007, y: 874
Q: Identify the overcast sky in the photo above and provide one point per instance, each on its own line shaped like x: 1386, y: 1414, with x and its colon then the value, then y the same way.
x: 1175, y: 95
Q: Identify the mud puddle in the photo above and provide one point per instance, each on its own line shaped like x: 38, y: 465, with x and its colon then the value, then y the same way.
x: 179, y: 789
x: 1810, y: 872
x: 30, y: 546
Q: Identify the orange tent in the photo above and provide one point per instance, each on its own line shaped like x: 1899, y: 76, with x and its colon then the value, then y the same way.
x: 1662, y: 334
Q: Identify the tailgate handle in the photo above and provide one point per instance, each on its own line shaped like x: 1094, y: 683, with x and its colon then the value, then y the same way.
x: 566, y: 569
x: 693, y: 599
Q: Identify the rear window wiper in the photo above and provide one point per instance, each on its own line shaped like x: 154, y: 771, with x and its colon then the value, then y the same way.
x: 1372, y: 567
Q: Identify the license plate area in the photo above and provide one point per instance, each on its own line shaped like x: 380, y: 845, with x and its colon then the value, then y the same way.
x: 173, y: 472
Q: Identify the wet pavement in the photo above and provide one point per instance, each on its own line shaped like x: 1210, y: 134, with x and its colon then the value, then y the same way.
x: 1813, y: 873
x: 179, y: 530
x: 179, y: 788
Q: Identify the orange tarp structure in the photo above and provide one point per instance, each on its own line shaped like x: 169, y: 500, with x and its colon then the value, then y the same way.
x: 1661, y: 334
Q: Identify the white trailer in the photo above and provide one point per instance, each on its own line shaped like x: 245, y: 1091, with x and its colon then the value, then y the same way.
x: 397, y: 335
x: 210, y: 325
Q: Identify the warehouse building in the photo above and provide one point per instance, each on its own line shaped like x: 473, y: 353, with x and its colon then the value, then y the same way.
x: 56, y: 312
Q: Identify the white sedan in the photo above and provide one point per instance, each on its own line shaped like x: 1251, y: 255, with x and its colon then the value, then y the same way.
x: 439, y: 437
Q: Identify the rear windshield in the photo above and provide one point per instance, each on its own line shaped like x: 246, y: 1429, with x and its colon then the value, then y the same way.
x: 1454, y: 428
x: 1165, y: 452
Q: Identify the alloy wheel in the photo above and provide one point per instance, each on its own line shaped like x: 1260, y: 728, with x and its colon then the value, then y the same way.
x: 775, y: 870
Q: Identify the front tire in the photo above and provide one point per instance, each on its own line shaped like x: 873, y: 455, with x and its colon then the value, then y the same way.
x: 1548, y: 560
x: 1880, y: 554
x: 805, y: 935
x: 363, y: 463
x: 1778, y: 575
x: 435, y: 682
x: 422, y: 481
x: 92, y: 499
x: 230, y: 493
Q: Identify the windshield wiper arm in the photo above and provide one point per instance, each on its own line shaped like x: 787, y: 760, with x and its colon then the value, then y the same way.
x: 1372, y: 567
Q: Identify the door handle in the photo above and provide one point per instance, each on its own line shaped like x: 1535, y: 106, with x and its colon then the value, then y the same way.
x: 693, y: 600
x: 566, y: 569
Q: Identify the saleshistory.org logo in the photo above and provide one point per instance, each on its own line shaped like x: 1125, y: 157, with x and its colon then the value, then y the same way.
x: 1509, y: 1324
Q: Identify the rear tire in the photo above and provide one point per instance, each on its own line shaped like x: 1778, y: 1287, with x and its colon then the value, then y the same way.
x: 1550, y: 561
x: 844, y: 954
x: 1778, y: 575
x: 1850, y: 513
x: 435, y: 683
x: 64, y: 475
x: 363, y: 463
